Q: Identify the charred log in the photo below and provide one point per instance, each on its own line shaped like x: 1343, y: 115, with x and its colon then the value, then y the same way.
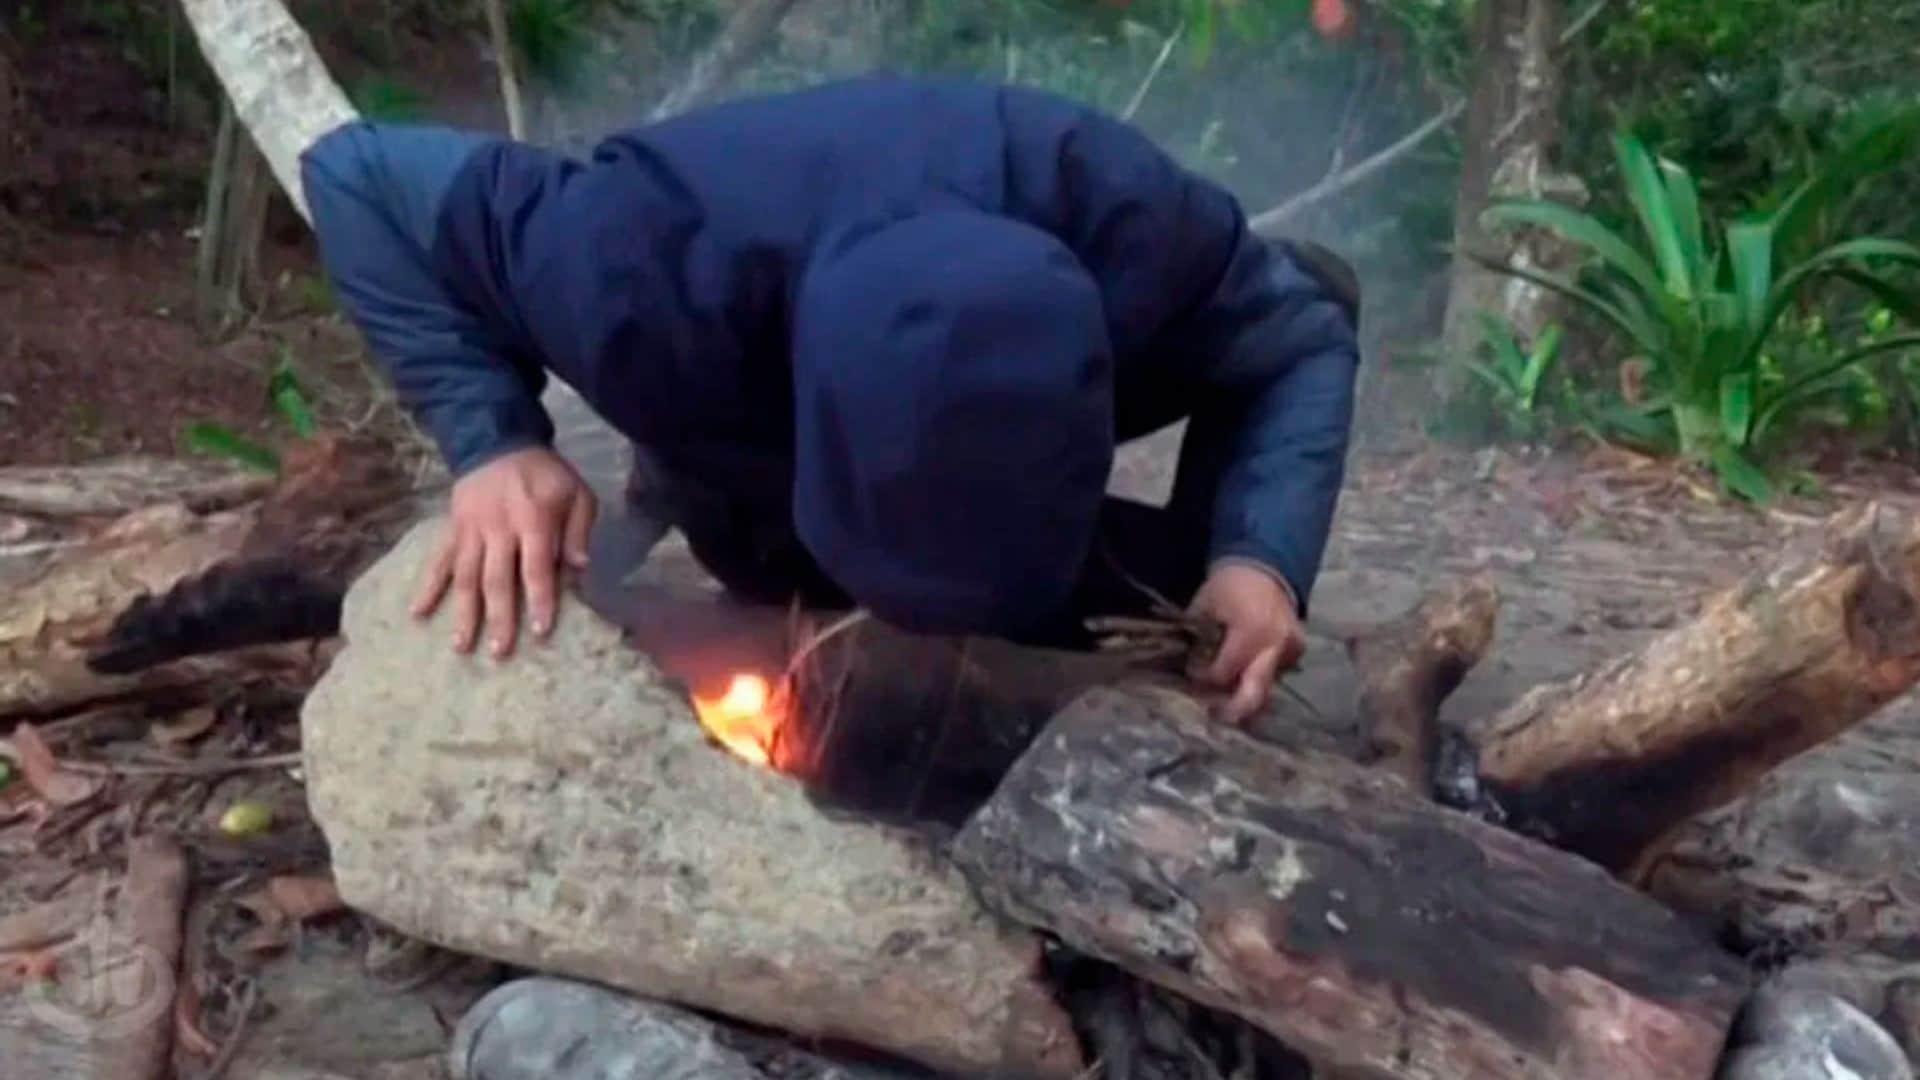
x: 167, y: 597
x: 1325, y: 904
x: 1609, y: 764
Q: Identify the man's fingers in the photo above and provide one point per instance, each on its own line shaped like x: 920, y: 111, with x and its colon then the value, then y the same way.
x: 439, y: 574
x: 580, y: 514
x: 1255, y: 689
x: 1236, y: 652
x: 499, y: 584
x: 538, y: 556
x: 466, y: 591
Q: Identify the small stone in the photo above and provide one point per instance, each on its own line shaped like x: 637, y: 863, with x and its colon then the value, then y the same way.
x: 1788, y: 1034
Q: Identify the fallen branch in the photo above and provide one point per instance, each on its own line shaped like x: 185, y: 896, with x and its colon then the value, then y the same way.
x: 203, y: 767
x: 1408, y: 667
x: 122, y: 485
x: 1277, y: 220
x: 1153, y: 73
x: 1280, y: 218
x: 154, y: 903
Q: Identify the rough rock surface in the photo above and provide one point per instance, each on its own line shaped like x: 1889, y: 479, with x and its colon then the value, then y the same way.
x: 565, y: 812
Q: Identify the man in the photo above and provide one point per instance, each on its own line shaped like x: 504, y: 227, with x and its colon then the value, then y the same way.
x: 878, y: 340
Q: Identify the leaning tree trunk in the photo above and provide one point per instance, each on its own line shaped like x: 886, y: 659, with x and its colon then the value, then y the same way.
x: 1511, y: 132
x: 279, y: 87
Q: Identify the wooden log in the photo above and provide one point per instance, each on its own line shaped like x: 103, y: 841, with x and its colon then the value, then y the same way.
x: 566, y: 812
x: 109, y: 617
x: 1324, y: 903
x: 120, y: 486
x: 1408, y: 667
x: 1607, y: 765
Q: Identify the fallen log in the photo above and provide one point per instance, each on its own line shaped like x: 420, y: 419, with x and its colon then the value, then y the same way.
x: 120, y: 486
x: 146, y: 604
x: 566, y: 812
x: 1609, y: 764
x: 1324, y: 903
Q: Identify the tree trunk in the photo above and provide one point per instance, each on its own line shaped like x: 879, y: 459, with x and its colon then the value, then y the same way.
x: 1607, y: 765
x: 1512, y: 129
x: 239, y: 191
x: 280, y: 89
x: 1325, y: 904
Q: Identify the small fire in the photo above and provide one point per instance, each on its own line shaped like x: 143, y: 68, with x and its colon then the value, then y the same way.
x: 745, y: 720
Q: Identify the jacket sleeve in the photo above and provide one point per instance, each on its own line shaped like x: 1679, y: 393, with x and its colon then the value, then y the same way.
x: 1278, y: 352
x: 376, y: 194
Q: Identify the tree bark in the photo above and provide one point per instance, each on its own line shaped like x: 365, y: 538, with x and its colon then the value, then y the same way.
x: 1512, y: 129
x: 280, y: 89
x: 1607, y: 765
x: 1325, y: 904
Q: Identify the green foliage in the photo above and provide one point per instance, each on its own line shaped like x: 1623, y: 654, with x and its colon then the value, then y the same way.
x: 219, y: 440
x: 385, y: 98
x: 1702, y: 309
x: 1514, y: 378
x: 287, y: 400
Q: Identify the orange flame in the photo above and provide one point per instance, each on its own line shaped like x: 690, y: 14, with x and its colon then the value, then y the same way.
x: 745, y: 720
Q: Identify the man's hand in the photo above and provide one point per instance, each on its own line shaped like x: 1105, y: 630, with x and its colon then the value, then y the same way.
x: 1263, y: 639
x: 513, y: 519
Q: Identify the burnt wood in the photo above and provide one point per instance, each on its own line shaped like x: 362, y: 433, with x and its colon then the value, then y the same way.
x: 1326, y: 904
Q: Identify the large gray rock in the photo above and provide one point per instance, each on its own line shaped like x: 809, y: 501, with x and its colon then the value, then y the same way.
x: 564, y: 811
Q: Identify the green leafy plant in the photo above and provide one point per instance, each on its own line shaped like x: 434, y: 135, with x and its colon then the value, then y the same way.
x: 288, y: 401
x: 1701, y: 309
x: 1514, y: 377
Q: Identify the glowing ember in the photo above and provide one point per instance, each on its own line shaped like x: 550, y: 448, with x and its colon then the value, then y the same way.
x: 744, y: 720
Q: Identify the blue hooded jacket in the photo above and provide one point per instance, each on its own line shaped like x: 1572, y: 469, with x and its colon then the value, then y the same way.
x: 941, y: 303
